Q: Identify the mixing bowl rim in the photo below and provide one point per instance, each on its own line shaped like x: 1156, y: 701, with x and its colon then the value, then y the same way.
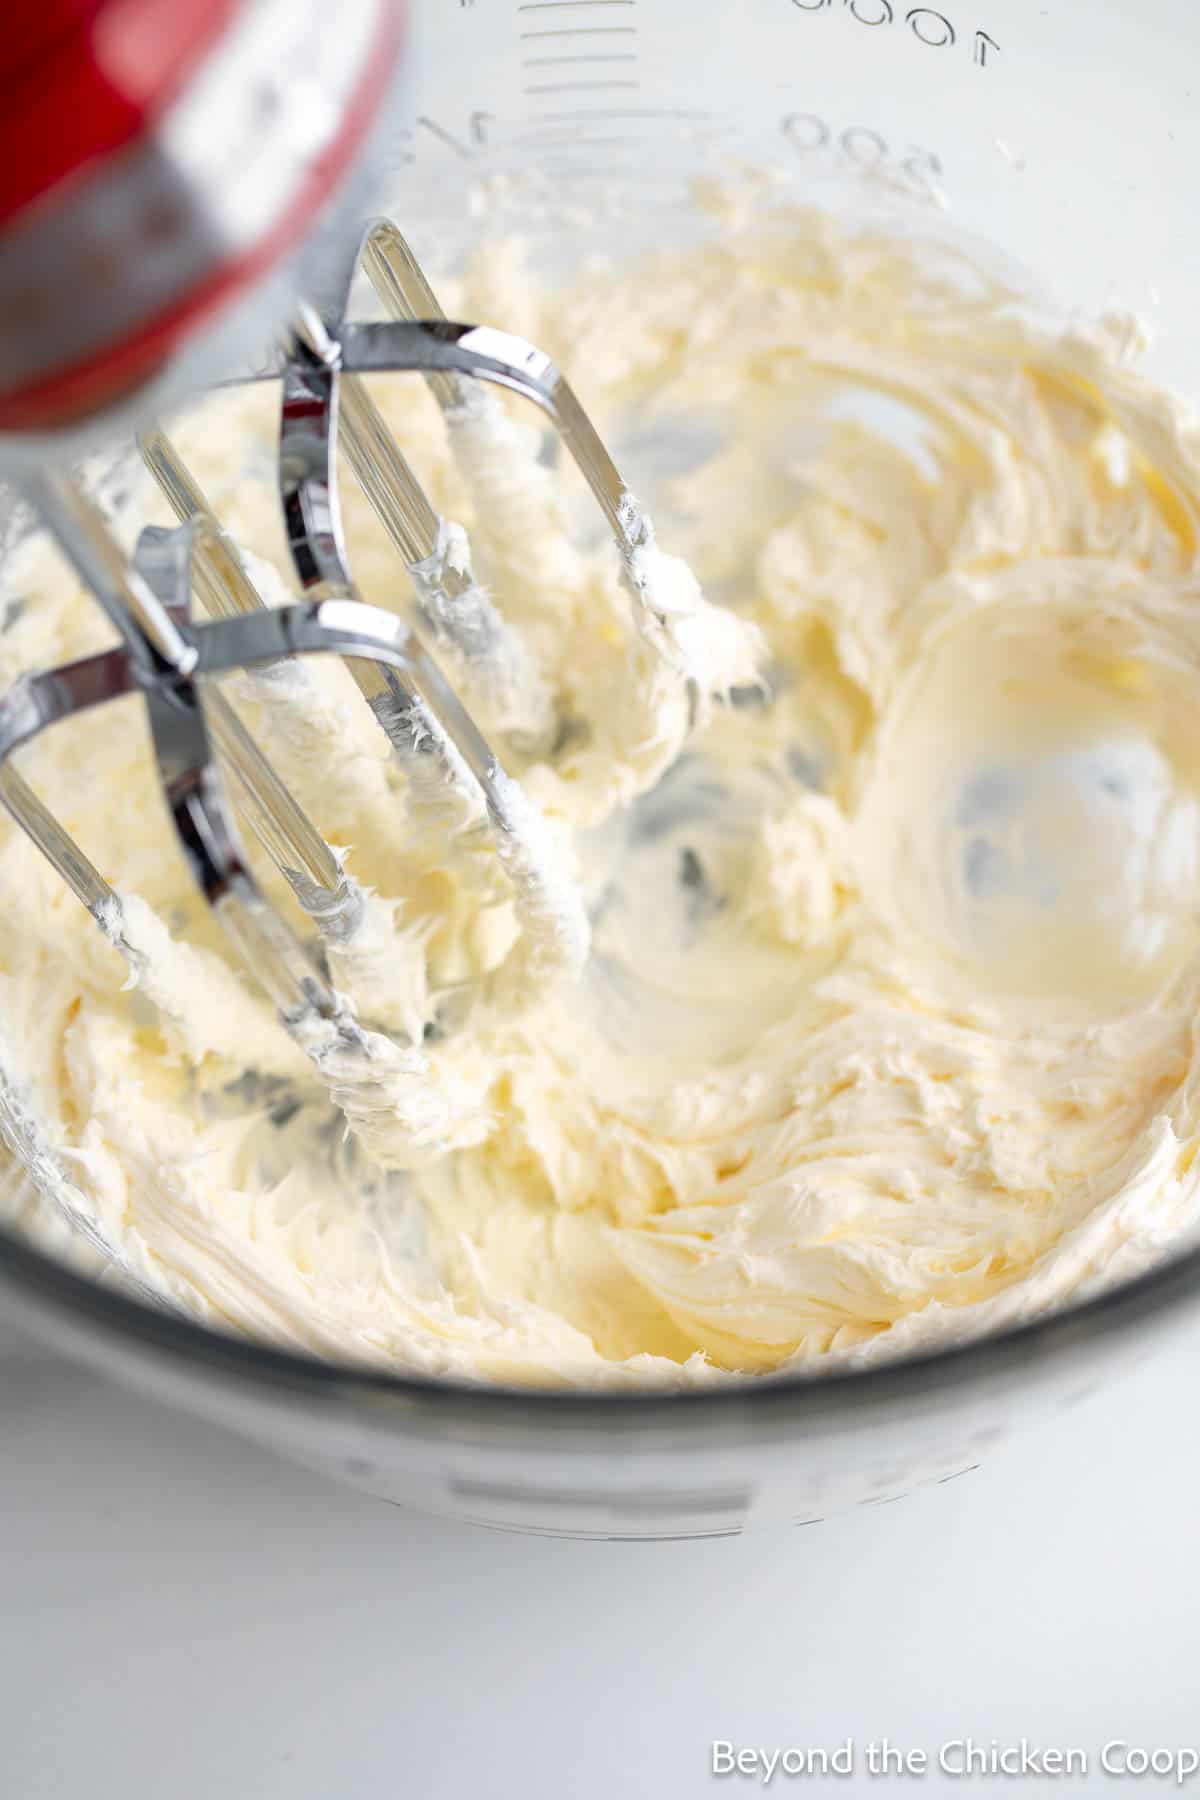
x: 1157, y: 1295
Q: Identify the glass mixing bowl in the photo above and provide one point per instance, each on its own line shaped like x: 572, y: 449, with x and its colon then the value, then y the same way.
x: 1060, y: 139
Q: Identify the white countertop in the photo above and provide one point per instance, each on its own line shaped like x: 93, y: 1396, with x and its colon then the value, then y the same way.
x: 184, y: 1616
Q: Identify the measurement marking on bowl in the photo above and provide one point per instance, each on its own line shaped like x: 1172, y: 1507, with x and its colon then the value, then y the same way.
x: 811, y: 135
x: 548, y: 136
x: 555, y: 62
x: 579, y: 87
x: 584, y: 59
x: 564, y: 5
x: 446, y: 137
x: 632, y: 112
x: 566, y: 143
x: 570, y: 31
x: 925, y: 23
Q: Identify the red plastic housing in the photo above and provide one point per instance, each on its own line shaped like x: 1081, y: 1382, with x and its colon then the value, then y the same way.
x: 91, y: 92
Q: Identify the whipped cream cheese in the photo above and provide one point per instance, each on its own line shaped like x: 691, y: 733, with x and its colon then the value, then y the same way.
x: 882, y: 792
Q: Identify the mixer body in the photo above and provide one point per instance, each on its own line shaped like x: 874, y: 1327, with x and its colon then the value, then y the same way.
x: 159, y: 162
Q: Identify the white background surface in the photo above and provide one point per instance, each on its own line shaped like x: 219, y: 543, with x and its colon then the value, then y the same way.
x: 181, y: 1615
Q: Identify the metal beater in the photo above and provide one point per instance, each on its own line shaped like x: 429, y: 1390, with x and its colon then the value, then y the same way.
x: 187, y: 610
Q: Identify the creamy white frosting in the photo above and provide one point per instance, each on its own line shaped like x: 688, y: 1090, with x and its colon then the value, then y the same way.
x: 889, y: 838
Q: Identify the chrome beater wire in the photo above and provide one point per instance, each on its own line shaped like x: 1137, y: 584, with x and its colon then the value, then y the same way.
x: 167, y: 656
x: 456, y: 377
x: 381, y: 1086
x: 161, y: 656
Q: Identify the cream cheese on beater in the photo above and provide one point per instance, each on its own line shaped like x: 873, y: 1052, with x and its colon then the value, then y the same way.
x: 889, y: 836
